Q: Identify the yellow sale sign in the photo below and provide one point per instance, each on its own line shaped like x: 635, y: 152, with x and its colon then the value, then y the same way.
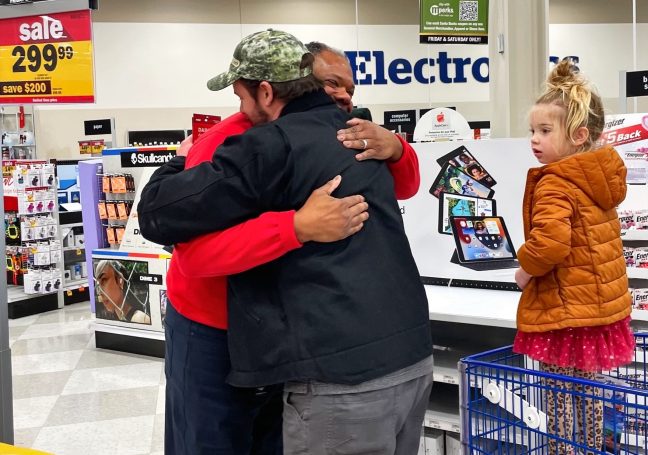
x: 47, y: 59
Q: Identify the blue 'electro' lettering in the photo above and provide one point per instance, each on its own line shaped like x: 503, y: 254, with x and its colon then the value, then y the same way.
x: 370, y: 68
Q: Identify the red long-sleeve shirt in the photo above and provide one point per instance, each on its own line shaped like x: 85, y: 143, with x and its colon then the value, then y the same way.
x: 197, y: 275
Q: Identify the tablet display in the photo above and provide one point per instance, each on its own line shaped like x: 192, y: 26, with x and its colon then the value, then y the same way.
x: 459, y: 205
x: 462, y: 159
x: 452, y: 180
x: 481, y: 238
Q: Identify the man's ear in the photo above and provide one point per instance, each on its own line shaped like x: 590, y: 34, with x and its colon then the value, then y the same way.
x: 265, y: 95
x: 580, y: 136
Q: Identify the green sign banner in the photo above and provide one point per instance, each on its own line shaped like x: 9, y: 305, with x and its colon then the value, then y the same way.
x: 454, y: 21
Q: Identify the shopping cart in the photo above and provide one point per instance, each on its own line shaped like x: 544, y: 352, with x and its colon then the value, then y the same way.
x: 504, y: 407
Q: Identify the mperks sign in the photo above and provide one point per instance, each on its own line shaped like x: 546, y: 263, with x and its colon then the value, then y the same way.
x: 371, y: 68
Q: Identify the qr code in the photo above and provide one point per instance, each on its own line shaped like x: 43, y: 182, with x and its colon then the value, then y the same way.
x: 468, y: 10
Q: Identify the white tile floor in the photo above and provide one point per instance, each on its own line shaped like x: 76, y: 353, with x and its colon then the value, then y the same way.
x: 71, y: 398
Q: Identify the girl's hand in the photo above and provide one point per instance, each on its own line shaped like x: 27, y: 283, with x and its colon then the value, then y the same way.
x: 522, y: 278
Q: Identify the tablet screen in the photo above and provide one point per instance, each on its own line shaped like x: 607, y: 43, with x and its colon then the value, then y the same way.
x: 462, y: 159
x: 452, y: 180
x: 459, y: 205
x: 481, y: 239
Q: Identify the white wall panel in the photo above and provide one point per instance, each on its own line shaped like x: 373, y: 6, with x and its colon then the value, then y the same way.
x: 167, y: 65
x: 153, y: 75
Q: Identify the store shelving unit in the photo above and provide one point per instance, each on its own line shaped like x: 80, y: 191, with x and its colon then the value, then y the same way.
x: 27, y: 192
x: 472, y: 306
x: 635, y: 235
x: 114, y: 244
x: 75, y: 274
x: 463, y: 321
x: 636, y: 199
x: 443, y: 413
x: 638, y: 273
x: 16, y: 137
x: 21, y: 304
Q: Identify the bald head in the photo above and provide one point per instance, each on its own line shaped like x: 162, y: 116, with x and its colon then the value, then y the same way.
x: 332, y: 68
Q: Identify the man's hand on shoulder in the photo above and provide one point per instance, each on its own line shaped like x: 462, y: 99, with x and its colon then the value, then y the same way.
x: 185, y: 146
x: 324, y: 218
x: 376, y: 142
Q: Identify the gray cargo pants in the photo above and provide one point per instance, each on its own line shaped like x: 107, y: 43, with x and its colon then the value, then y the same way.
x: 380, y: 422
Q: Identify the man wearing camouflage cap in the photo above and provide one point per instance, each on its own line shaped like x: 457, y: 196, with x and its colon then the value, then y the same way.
x: 344, y: 324
x: 265, y: 55
x: 204, y: 414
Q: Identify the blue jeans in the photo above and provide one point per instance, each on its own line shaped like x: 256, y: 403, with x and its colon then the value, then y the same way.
x: 204, y: 414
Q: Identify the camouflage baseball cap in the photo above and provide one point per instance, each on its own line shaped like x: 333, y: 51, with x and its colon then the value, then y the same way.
x: 270, y: 55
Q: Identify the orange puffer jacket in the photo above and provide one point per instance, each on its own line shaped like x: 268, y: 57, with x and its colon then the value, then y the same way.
x: 573, y: 246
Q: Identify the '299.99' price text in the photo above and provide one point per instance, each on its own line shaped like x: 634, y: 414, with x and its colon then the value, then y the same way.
x: 33, y: 59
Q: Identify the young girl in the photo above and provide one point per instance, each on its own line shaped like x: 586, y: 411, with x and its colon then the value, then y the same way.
x: 574, y: 313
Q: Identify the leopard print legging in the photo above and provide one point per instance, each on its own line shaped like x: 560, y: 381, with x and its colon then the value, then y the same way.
x: 560, y: 410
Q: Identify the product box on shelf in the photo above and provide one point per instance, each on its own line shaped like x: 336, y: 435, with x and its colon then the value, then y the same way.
x: 640, y: 257
x: 33, y: 281
x: 55, y: 251
x: 628, y: 254
x: 628, y: 134
x: 115, y: 205
x: 452, y: 444
x: 633, y: 219
x: 16, y: 261
x: 640, y: 298
x: 432, y: 442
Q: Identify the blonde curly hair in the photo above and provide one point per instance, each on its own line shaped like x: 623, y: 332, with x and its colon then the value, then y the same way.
x: 567, y: 88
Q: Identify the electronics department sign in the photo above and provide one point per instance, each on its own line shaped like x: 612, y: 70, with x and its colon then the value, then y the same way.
x: 372, y: 68
x: 47, y: 59
x: 454, y: 22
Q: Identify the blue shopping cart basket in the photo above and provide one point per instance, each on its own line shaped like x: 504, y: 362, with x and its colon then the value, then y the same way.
x: 509, y: 406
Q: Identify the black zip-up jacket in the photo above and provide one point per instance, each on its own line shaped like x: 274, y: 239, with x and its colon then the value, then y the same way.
x: 342, y: 312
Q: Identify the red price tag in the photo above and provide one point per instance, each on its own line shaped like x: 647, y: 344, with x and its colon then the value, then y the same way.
x: 47, y: 59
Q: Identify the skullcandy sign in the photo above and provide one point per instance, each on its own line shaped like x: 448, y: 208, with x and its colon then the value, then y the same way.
x: 146, y: 158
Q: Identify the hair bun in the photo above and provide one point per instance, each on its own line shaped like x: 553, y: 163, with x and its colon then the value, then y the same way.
x: 564, y: 76
x: 567, y: 87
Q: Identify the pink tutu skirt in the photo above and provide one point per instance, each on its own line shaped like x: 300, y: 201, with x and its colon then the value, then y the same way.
x: 586, y: 348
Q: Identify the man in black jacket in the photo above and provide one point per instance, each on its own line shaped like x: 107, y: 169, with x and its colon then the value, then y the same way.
x: 345, y: 324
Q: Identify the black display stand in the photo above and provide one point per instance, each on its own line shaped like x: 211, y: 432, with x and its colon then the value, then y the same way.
x: 128, y: 343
